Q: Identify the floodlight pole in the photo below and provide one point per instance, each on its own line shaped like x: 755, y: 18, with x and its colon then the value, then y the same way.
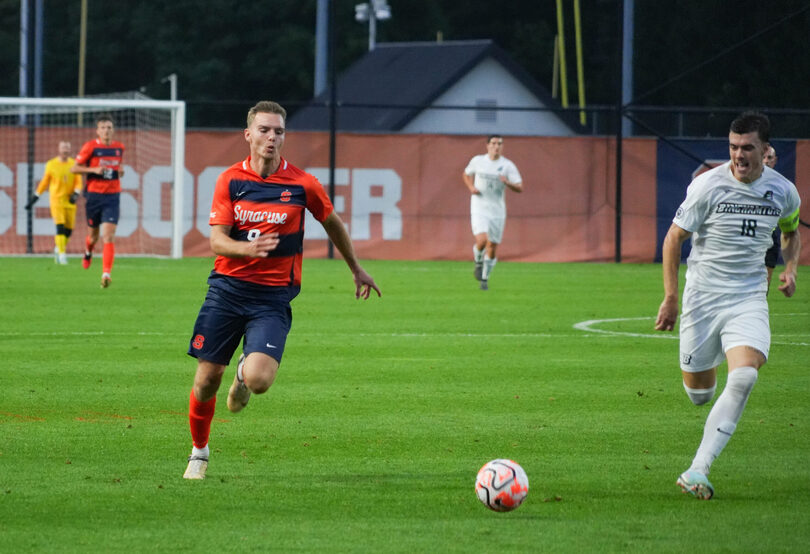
x: 372, y: 11
x: 332, y: 78
x: 619, y: 134
x: 372, y: 28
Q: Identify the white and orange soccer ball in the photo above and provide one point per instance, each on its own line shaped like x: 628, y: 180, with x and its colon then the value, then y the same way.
x: 501, y: 485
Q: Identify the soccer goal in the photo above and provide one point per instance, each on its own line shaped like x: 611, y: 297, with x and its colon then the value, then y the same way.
x: 155, y: 188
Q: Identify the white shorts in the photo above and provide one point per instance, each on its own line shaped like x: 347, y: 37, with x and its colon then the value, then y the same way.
x: 492, y: 226
x: 713, y: 323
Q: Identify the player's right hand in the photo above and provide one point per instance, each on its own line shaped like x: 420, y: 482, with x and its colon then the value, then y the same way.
x: 261, y: 246
x: 667, y: 315
x: 73, y: 197
x: 31, y: 202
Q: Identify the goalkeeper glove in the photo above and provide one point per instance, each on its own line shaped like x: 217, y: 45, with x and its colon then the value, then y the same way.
x: 108, y: 173
x: 74, y: 195
x: 31, y: 202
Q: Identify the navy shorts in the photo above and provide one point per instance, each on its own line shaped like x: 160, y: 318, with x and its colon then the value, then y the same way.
x: 102, y: 208
x: 234, y: 309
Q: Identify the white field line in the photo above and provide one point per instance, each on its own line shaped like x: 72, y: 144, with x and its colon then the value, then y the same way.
x: 589, y: 326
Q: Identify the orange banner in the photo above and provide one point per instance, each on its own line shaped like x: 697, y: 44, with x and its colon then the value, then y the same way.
x: 401, y: 196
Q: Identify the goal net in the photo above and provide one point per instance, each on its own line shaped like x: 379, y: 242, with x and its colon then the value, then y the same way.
x: 153, y: 187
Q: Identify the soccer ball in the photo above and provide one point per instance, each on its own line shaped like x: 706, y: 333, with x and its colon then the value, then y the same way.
x: 501, y: 485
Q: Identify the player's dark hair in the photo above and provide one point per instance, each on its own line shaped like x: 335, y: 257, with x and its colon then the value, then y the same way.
x: 266, y: 106
x: 490, y: 137
x: 752, y: 122
x: 104, y: 117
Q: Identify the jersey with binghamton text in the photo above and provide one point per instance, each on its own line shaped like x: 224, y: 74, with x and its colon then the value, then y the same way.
x: 487, y: 180
x: 731, y: 224
x: 252, y: 206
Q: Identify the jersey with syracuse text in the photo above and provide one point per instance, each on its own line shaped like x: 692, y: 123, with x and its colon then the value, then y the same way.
x: 731, y: 224
x: 59, y: 180
x: 487, y: 180
x: 95, y: 153
x: 251, y: 206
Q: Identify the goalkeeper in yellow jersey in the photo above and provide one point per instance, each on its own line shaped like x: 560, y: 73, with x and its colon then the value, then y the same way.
x: 64, y: 188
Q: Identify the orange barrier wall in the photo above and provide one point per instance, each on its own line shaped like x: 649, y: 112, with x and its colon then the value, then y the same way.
x: 402, y: 196
x: 566, y: 212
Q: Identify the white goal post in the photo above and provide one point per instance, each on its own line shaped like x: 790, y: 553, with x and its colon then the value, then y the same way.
x: 154, y: 199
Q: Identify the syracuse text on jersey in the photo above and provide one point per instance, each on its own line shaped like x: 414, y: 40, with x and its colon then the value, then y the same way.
x: 242, y: 215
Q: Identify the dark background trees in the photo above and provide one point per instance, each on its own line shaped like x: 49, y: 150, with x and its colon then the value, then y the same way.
x: 228, y: 54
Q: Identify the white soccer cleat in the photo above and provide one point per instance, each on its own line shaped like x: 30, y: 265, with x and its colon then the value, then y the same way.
x: 56, y: 254
x: 197, y: 466
x: 239, y: 394
x: 106, y: 280
x: 695, y: 483
x: 63, y: 259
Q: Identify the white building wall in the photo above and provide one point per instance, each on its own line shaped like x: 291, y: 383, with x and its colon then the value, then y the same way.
x: 488, y: 81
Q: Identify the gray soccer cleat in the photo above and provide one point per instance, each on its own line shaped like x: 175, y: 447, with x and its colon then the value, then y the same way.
x: 479, y: 268
x: 695, y: 483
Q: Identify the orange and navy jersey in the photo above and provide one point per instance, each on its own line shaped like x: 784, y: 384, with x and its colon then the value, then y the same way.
x: 251, y: 206
x: 95, y: 153
x: 59, y: 181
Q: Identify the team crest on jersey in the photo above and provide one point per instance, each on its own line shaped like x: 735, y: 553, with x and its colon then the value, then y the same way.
x: 768, y: 195
x: 286, y: 196
x: 679, y: 213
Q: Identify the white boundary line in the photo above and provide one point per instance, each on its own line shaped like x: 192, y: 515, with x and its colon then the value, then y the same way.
x: 588, y: 327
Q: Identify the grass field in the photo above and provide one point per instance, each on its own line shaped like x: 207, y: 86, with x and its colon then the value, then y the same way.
x: 382, y: 413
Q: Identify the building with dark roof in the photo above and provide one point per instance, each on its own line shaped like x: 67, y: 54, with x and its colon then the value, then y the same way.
x: 453, y: 87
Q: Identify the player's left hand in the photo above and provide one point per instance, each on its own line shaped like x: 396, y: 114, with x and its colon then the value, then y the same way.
x: 788, y: 279
x: 363, y: 284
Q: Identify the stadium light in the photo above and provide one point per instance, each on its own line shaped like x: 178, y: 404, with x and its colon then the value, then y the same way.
x: 372, y: 12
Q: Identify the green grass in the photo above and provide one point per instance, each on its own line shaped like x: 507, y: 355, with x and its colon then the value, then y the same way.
x: 381, y: 415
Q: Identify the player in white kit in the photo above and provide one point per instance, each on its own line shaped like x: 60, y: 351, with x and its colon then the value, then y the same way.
x: 729, y: 213
x: 487, y: 177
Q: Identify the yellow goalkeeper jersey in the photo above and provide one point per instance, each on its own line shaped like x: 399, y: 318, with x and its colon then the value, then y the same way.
x: 58, y: 179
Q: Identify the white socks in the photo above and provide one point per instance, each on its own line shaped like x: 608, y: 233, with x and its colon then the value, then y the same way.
x: 699, y: 396
x: 723, y: 417
x: 489, y: 263
x: 200, y: 452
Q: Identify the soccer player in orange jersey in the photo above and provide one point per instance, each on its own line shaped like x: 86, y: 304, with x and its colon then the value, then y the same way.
x: 257, y: 233
x: 101, y: 161
x: 63, y: 188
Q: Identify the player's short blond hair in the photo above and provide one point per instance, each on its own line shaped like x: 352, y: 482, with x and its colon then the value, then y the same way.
x: 266, y: 106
